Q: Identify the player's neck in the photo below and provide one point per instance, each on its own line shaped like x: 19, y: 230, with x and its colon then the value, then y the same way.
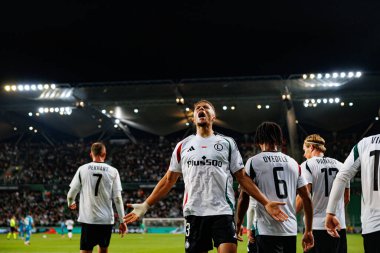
x: 98, y: 159
x: 318, y: 154
x: 268, y: 148
x: 205, y: 131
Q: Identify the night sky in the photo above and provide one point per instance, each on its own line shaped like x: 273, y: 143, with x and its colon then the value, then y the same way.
x: 84, y: 41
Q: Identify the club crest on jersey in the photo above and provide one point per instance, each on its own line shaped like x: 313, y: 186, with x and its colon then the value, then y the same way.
x: 218, y: 147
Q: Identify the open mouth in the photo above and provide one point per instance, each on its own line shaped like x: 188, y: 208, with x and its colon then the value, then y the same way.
x: 201, y: 115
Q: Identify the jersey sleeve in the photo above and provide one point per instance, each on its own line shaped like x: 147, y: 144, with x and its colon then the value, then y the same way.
x: 76, y: 181
x: 306, y: 172
x: 236, y: 162
x: 175, y: 162
x: 350, y: 167
x: 249, y: 169
x: 116, y: 187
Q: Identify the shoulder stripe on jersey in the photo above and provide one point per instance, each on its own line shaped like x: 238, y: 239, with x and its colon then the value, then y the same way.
x: 308, y: 169
x: 299, y: 170
x: 179, y: 152
x: 229, y: 150
x: 80, y: 179
x: 228, y: 199
x: 356, y: 152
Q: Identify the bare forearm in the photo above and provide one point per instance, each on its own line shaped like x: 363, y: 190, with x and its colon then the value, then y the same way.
x: 299, y: 204
x: 243, y: 203
x: 252, y: 189
x: 162, y: 188
x: 308, y: 208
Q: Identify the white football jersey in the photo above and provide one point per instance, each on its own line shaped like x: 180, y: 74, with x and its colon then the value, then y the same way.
x: 321, y: 172
x: 69, y: 224
x: 365, y: 157
x: 206, y: 165
x: 278, y: 176
x: 98, y: 183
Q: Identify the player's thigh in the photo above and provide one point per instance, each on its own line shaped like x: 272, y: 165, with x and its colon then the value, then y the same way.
x: 198, y: 234
x: 289, y: 243
x: 223, y: 230
x: 87, y: 238
x: 104, y: 233
x: 371, y: 242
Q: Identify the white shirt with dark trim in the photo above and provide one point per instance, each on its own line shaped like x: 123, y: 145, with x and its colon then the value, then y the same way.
x: 321, y: 172
x: 69, y: 224
x: 99, y: 183
x: 207, y: 165
x: 278, y: 176
x: 365, y: 157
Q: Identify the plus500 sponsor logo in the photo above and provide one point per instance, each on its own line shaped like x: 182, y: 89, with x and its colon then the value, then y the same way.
x: 208, y: 162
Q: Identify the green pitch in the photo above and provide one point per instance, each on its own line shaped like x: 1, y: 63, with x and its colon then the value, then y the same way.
x: 133, y: 243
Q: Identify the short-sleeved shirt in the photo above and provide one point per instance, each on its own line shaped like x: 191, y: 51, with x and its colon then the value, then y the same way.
x: 69, y: 224
x: 321, y: 172
x: 28, y: 222
x: 207, y: 165
x: 278, y: 176
x: 99, y: 183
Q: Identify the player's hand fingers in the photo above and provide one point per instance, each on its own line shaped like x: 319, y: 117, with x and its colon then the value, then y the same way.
x: 333, y: 233
x: 279, y: 203
x: 131, y: 217
x: 129, y: 205
x: 240, y: 239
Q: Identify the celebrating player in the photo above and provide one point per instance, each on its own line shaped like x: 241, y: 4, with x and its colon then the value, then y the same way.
x: 207, y: 161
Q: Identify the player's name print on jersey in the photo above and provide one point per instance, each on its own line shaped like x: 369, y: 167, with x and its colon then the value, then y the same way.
x: 97, y: 167
x: 275, y: 158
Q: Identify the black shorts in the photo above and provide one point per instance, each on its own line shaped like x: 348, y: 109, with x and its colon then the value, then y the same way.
x: 276, y: 244
x: 201, y: 231
x: 324, y: 243
x: 94, y: 234
x: 371, y: 242
x: 69, y: 230
x: 13, y: 230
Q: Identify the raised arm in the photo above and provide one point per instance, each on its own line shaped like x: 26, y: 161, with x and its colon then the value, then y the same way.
x: 160, y: 191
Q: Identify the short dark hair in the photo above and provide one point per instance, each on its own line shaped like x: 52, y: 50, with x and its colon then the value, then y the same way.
x: 98, y: 148
x: 269, y: 133
x: 204, y: 101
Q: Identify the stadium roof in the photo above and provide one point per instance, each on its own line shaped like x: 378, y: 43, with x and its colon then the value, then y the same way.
x: 159, y: 113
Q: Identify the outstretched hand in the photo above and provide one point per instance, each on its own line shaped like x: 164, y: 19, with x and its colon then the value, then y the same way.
x: 274, y: 210
x: 239, y: 233
x: 332, y: 225
x: 138, y: 212
x: 122, y: 229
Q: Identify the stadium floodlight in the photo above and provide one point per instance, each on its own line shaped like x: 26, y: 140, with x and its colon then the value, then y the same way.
x: 325, y: 100
x: 307, y: 101
x: 51, y: 109
x: 33, y: 87
x: 56, y: 109
x: 20, y: 87
x: 187, y: 124
x: 53, y: 86
x: 312, y: 101
x: 26, y: 87
x: 30, y: 114
x: 15, y: 128
x: 111, y: 111
x: 296, y: 121
x: 342, y: 74
x: 350, y: 74
x: 136, y: 110
x: 46, y: 110
x: 117, y: 121
x: 350, y: 104
x: 259, y: 107
x: 7, y: 88
x: 304, y: 76
x: 312, y: 76
x: 335, y: 75
x: 306, y: 104
x: 35, y: 131
x: 337, y: 100
x: 267, y: 107
x: 331, y: 100
x: 46, y: 86
x: 224, y: 107
x: 99, y: 126
x: 31, y: 128
x: 115, y: 126
x: 376, y: 118
x: 358, y: 74
x: 40, y: 87
x: 233, y: 108
x: 41, y: 110
x: 104, y: 111
x: 319, y: 76
x: 37, y: 114
x: 327, y: 75
x: 314, y: 105
x: 319, y: 100
x: 13, y: 87
x: 341, y: 103
x: 187, y: 109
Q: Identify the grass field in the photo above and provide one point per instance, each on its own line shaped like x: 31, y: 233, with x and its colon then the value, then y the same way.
x: 133, y: 243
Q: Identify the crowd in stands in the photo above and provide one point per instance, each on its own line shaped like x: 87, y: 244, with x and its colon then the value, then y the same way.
x: 54, y: 167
